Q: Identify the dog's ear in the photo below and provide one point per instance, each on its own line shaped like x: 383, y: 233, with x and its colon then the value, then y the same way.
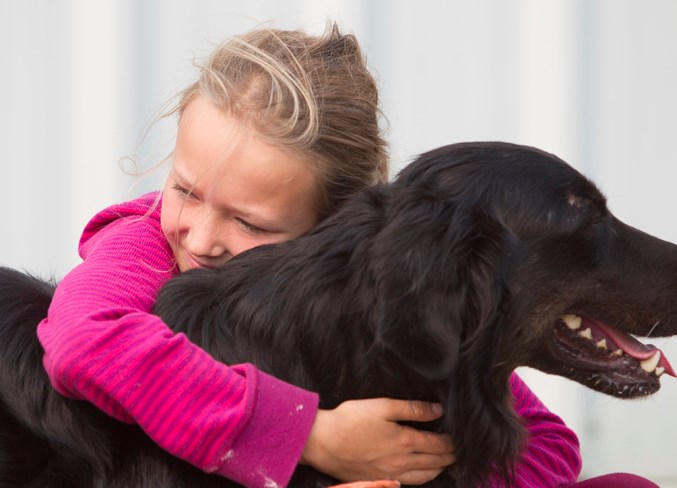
x: 441, y: 278
x: 439, y: 271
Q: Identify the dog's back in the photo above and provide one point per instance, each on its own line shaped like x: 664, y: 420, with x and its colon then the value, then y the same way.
x: 49, y: 441
x: 23, y: 303
x: 38, y: 446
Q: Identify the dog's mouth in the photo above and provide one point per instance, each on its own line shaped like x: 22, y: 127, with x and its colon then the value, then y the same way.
x: 607, y: 359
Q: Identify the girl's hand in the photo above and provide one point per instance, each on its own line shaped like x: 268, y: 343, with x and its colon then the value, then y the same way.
x: 361, y: 440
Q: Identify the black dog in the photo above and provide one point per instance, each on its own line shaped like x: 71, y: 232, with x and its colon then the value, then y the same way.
x: 480, y: 258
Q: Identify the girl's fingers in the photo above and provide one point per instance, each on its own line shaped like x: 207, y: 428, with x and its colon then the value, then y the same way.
x: 424, y: 442
x: 418, y: 441
x: 419, y: 477
x: 420, y: 469
x: 411, y: 410
x: 414, y: 465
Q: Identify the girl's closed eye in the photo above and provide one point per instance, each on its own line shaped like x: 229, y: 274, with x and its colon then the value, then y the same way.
x: 182, y: 192
x: 252, y: 229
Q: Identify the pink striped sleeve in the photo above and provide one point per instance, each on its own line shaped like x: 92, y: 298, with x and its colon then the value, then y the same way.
x: 552, y: 456
x: 102, y: 345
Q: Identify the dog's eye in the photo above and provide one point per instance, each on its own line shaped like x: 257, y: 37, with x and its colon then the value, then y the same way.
x: 583, y: 215
x: 577, y: 201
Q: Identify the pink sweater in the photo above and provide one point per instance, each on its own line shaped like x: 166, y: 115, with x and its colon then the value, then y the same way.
x: 103, y: 345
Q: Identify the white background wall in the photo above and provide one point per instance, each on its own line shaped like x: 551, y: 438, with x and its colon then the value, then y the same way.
x: 590, y: 80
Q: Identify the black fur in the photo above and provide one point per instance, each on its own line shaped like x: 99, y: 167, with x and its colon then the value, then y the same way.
x: 434, y: 287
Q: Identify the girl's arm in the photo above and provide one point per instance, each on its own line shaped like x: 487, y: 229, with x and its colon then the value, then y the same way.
x: 102, y: 345
x: 552, y: 456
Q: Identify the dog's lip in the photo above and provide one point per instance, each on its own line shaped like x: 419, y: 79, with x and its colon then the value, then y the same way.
x: 576, y: 352
x: 618, y: 339
x: 630, y: 345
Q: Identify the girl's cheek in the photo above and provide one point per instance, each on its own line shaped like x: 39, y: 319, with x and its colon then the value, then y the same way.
x: 170, y: 223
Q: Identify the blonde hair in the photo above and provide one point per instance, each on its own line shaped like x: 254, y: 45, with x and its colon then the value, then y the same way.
x: 310, y: 94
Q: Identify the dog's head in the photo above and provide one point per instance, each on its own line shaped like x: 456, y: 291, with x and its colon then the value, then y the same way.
x: 519, y: 243
x: 506, y: 256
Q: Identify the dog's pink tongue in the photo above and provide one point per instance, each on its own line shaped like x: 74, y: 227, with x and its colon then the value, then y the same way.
x: 631, y: 346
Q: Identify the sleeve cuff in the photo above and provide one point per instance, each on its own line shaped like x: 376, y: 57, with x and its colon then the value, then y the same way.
x: 269, y: 446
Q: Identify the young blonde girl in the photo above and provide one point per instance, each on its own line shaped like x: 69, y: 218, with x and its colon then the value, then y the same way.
x: 278, y: 131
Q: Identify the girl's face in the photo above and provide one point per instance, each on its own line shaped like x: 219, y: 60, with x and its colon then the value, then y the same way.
x: 229, y: 191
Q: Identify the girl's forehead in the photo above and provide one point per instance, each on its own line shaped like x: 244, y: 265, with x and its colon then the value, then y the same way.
x: 226, y: 163
x: 208, y: 136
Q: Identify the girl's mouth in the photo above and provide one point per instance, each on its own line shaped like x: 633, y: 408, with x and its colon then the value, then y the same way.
x: 194, y: 263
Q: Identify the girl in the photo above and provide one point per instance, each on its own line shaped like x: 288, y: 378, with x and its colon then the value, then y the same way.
x: 278, y: 131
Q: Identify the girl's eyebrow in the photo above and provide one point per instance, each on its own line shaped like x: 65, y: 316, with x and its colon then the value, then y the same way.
x: 177, y: 175
x: 181, y: 178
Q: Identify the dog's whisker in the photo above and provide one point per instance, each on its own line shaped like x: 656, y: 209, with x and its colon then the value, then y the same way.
x: 653, y: 328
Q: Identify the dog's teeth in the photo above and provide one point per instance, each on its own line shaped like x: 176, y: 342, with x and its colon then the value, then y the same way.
x: 618, y: 352
x: 572, y: 321
x: 659, y: 371
x: 602, y: 344
x: 587, y: 333
x: 649, y: 365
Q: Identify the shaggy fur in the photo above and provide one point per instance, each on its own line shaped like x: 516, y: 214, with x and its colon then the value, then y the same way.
x: 434, y: 287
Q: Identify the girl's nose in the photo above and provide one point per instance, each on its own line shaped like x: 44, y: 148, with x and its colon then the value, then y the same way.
x: 205, y: 238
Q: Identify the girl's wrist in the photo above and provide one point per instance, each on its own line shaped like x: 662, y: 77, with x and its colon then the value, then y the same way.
x: 312, y: 450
